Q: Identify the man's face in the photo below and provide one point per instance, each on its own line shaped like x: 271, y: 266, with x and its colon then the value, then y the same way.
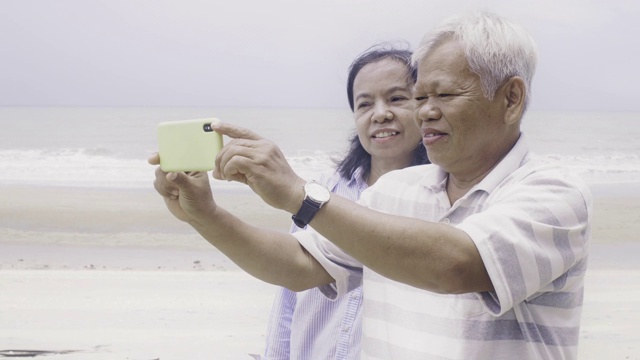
x: 462, y: 130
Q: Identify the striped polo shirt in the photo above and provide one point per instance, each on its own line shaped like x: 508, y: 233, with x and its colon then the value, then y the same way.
x: 531, y: 224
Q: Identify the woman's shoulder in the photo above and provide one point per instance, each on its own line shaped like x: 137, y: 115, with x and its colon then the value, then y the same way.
x: 329, y: 178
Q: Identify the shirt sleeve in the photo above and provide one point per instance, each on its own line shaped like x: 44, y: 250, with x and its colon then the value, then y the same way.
x: 344, y: 269
x: 533, y: 238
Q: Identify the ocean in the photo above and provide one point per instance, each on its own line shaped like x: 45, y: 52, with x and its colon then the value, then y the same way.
x: 108, y: 147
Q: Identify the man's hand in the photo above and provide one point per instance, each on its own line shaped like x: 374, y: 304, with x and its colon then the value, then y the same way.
x: 259, y: 163
x: 187, y: 196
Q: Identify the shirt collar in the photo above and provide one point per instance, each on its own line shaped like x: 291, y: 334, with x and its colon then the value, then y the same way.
x: 509, y: 164
x: 358, y: 179
x: 435, y: 180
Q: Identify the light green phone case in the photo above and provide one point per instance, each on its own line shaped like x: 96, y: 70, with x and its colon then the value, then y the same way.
x: 188, y: 145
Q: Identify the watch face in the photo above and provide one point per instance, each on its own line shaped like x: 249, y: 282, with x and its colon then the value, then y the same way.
x: 317, y: 192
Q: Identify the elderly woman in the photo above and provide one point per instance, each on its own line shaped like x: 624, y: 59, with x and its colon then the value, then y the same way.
x: 306, y: 325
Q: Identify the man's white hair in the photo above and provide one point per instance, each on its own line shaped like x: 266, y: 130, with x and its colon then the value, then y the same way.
x: 495, y: 48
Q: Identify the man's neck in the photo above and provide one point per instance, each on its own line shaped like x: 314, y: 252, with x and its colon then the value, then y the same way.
x: 459, y: 184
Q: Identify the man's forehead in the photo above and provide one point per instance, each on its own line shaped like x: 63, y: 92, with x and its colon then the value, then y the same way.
x: 444, y: 53
x: 435, y: 76
x: 444, y: 63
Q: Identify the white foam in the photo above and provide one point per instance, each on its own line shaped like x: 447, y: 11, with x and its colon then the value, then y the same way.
x: 99, y: 168
x: 72, y: 167
x: 96, y: 168
x: 600, y: 169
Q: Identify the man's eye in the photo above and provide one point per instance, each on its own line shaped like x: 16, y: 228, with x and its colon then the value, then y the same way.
x: 421, y: 98
x: 363, y: 105
x: 398, y: 98
x: 444, y: 95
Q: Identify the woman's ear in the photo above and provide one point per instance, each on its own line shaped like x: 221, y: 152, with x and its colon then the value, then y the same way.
x: 514, y: 96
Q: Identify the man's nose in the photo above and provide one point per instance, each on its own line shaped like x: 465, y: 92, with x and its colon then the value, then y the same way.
x: 427, y: 112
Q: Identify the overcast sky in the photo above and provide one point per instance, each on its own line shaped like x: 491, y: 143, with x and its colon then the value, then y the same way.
x: 286, y: 53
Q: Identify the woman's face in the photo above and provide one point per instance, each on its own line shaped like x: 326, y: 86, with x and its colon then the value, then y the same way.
x: 383, y: 113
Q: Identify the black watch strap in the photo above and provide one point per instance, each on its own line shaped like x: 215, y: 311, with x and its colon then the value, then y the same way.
x: 307, y: 211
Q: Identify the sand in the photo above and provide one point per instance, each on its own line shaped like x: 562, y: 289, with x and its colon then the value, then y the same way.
x: 110, y: 274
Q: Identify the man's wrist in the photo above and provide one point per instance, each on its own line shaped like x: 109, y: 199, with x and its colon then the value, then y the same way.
x: 296, y: 198
x: 315, y: 196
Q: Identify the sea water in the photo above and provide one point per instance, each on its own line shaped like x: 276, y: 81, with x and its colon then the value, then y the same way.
x: 109, y: 147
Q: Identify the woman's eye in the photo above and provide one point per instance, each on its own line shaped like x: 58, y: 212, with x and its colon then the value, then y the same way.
x: 398, y: 98
x: 421, y: 98
x: 363, y: 105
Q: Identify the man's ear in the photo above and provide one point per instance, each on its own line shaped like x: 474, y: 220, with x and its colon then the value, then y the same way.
x: 514, y: 92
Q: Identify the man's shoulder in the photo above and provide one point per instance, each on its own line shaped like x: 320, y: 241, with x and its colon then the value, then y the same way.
x: 537, y: 169
x: 410, y: 174
x: 536, y: 175
x: 399, y: 187
x: 404, y: 182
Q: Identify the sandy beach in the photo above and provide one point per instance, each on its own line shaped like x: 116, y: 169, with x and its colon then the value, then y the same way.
x: 110, y: 274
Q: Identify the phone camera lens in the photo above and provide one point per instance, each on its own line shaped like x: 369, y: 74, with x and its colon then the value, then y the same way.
x: 207, y: 128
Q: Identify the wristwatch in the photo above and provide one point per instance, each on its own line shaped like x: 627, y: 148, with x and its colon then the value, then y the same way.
x: 315, y: 195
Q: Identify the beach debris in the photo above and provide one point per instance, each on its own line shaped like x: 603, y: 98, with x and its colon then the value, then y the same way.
x: 34, y: 353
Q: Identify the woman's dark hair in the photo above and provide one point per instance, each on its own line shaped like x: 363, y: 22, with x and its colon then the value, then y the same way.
x: 357, y: 156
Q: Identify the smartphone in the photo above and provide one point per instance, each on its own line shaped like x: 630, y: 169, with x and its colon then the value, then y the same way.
x: 188, y: 145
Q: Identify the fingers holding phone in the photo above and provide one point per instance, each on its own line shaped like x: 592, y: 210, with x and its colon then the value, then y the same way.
x: 187, y: 150
x: 187, y: 196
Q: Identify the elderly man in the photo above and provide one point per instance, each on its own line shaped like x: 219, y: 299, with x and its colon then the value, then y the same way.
x: 480, y: 256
